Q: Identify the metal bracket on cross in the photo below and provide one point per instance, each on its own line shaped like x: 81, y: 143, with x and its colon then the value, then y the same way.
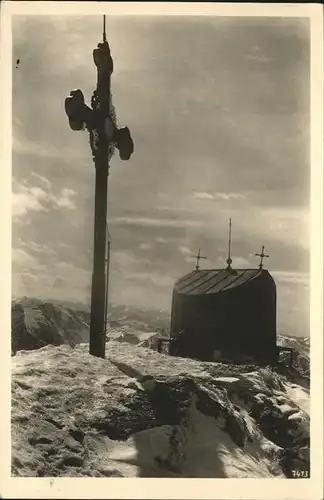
x: 99, y: 120
x: 82, y: 116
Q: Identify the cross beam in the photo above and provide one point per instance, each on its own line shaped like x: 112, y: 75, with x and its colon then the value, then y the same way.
x: 262, y: 255
x: 198, y: 257
x: 105, y: 136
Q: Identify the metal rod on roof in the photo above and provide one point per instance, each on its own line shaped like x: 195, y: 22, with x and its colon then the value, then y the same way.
x: 104, y: 37
x: 230, y: 238
x: 229, y: 260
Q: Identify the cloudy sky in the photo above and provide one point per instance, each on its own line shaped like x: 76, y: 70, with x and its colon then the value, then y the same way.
x: 218, y: 108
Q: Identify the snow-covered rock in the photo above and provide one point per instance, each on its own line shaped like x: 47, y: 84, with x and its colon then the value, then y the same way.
x: 301, y: 346
x: 141, y: 413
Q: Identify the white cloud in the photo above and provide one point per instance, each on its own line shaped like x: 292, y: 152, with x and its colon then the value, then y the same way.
x: 154, y: 278
x: 241, y: 262
x: 65, y: 272
x: 58, y: 280
x: 146, y: 221
x: 22, y: 258
x: 28, y: 199
x: 229, y: 196
x: 145, y: 246
x: 290, y: 226
x: 64, y: 200
x: 175, y: 206
x: 185, y: 251
x: 43, y: 180
x: 41, y: 149
x: 126, y: 261
x: 292, y: 277
x: 24, y: 146
x: 34, y: 247
x: 203, y: 196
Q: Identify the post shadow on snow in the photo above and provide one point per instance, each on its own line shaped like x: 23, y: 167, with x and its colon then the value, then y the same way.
x: 171, y: 399
x: 166, y: 401
x: 170, y: 402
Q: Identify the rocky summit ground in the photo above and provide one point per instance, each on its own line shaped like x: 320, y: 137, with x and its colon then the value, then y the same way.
x: 139, y: 413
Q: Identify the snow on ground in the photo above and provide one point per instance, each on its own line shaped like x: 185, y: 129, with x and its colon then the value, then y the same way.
x: 300, y: 395
x: 139, y: 413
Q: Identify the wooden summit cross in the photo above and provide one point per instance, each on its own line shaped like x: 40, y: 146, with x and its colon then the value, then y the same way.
x: 262, y: 255
x: 105, y: 136
x: 198, y: 257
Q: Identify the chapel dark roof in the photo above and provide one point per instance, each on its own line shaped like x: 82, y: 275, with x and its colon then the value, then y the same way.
x: 209, y: 281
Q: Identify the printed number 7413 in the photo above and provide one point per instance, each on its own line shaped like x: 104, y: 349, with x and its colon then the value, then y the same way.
x: 300, y: 473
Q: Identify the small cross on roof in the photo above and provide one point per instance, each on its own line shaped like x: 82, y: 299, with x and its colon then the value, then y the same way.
x: 198, y: 257
x: 262, y: 255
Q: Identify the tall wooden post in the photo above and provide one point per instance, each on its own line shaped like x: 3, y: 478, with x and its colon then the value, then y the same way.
x: 98, y: 289
x: 104, y: 137
x: 101, y: 104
